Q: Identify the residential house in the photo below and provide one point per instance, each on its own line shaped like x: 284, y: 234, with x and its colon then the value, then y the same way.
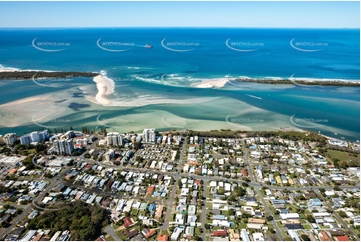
x: 220, y: 233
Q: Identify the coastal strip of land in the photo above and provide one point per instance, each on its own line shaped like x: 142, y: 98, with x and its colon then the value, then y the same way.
x: 25, y: 75
x: 311, y: 82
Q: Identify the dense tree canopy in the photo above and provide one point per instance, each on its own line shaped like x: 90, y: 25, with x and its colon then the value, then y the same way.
x: 84, y: 221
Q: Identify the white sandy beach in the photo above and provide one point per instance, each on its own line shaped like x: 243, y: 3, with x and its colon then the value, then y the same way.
x: 10, y: 69
x: 7, y: 70
x: 105, y: 87
x: 209, y: 83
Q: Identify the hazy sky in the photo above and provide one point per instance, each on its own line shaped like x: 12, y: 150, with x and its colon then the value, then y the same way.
x: 181, y: 14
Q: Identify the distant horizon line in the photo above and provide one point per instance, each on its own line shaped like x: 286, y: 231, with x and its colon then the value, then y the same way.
x: 183, y: 27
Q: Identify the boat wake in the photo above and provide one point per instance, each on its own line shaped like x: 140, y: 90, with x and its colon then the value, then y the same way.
x: 254, y: 96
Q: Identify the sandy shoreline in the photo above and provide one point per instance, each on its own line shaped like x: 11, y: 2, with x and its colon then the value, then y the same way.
x: 105, y: 87
x: 7, y: 70
x: 4, y: 69
x: 210, y: 83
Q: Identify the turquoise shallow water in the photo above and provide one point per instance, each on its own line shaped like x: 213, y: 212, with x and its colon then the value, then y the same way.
x: 195, y: 55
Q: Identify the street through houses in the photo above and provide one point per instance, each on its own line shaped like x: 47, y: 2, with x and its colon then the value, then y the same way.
x: 170, y: 202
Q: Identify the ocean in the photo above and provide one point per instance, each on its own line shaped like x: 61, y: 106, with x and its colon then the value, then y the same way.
x: 155, y: 71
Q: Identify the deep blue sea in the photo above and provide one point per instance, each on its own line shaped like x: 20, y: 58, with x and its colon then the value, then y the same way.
x: 166, y: 62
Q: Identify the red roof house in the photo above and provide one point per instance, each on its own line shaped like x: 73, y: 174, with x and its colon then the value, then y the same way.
x: 244, y: 172
x: 87, y: 168
x: 163, y: 237
x: 324, y: 236
x: 127, y: 222
x: 148, y: 233
x: 220, y: 233
x: 342, y: 238
x: 150, y: 190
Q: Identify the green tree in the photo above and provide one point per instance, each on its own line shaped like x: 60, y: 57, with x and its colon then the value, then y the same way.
x: 342, y: 214
x: 304, y: 237
x: 221, y: 191
x: 310, y: 218
x: 6, y: 206
x: 240, y: 191
x: 197, y: 238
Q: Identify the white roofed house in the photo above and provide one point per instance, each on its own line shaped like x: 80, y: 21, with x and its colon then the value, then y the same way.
x: 91, y: 199
x: 120, y: 205
x: 258, y: 237
x: 244, y: 235
x: 179, y: 219
x: 129, y: 205
x: 227, y: 187
x: 176, y: 233
x: 191, y: 210
x: 289, y: 216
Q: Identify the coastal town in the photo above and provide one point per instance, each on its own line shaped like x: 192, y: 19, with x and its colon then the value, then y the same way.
x: 178, y: 186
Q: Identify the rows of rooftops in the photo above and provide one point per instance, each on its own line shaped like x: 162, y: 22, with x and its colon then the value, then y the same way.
x: 123, y: 181
x: 222, y: 212
x: 298, y: 176
x: 304, y: 210
x: 19, y: 234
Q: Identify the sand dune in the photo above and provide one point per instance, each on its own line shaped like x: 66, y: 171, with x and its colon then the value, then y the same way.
x: 105, y: 87
x: 209, y: 83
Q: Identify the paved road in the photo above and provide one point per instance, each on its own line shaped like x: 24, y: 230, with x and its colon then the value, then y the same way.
x: 15, y: 205
x: 176, y: 177
x: 56, y: 180
x: 204, y: 212
x: 257, y: 189
x: 246, y: 158
x: 340, y: 220
x: 204, y: 178
x: 36, y: 164
x: 275, y: 225
x: 15, y: 221
x: 210, y: 178
x: 215, y: 178
x: 103, y: 193
x: 110, y: 230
